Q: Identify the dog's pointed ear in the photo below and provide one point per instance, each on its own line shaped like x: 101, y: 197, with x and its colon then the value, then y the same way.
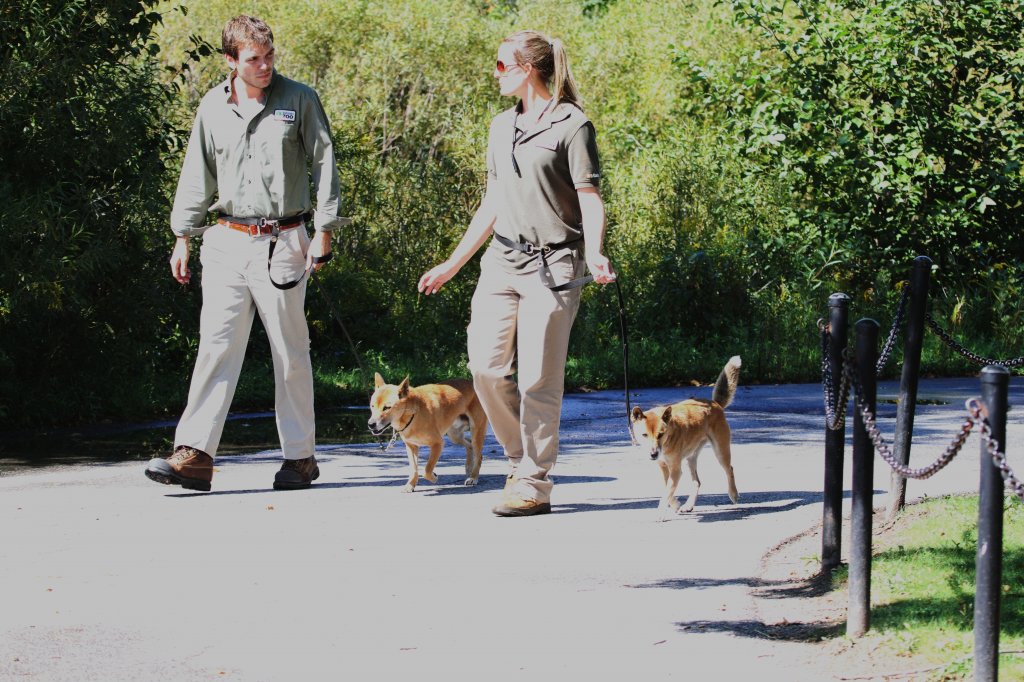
x: 637, y: 414
x: 378, y: 380
x: 667, y: 414
x: 403, y: 388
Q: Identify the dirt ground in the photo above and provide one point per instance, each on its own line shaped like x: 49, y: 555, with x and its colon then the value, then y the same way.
x: 797, y: 603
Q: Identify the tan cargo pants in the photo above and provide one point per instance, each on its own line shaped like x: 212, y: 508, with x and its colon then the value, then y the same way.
x: 519, y: 326
x: 235, y: 288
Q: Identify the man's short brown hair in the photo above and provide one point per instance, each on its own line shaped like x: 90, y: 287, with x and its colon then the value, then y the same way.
x: 244, y: 30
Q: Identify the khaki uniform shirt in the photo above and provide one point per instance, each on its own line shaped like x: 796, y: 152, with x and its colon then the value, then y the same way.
x: 538, y: 202
x: 256, y: 165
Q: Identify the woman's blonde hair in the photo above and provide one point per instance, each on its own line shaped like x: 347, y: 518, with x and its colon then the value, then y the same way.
x: 548, y: 56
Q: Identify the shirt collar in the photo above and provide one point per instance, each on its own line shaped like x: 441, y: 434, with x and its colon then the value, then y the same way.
x: 226, y: 85
x: 557, y: 114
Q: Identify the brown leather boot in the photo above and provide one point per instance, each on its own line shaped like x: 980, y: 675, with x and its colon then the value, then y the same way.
x: 514, y: 505
x: 188, y: 467
x: 296, y: 474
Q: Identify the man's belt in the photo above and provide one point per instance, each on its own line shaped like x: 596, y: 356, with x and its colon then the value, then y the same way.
x: 257, y: 227
x: 543, y: 251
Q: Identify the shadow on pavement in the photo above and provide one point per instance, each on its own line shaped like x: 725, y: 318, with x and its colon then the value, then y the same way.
x: 792, y: 632
x: 713, y: 507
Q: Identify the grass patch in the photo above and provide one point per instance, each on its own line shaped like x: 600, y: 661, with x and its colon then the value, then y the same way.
x: 922, y: 588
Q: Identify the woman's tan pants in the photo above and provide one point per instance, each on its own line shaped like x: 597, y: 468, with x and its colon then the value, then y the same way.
x: 519, y: 326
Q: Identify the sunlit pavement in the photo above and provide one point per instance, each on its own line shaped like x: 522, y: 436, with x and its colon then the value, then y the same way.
x: 105, y: 575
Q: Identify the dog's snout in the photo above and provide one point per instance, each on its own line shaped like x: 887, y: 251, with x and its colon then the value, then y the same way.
x: 374, y: 425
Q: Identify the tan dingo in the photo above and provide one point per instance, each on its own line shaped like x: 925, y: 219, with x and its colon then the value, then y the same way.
x: 678, y: 432
x: 424, y: 414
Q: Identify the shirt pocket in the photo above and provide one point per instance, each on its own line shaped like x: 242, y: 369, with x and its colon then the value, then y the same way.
x: 546, y: 144
x: 279, y: 138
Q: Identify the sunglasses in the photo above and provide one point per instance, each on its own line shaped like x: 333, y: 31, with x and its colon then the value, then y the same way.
x: 504, y: 68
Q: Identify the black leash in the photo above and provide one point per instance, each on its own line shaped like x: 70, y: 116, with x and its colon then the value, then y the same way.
x: 288, y: 285
x: 355, y: 353
x: 624, y: 336
x: 337, y: 318
x: 273, y: 226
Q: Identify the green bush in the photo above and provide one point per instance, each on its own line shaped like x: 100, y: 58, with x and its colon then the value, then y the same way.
x: 756, y: 158
x: 81, y: 173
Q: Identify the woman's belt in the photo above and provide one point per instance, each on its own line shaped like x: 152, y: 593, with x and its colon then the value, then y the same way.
x: 543, y: 251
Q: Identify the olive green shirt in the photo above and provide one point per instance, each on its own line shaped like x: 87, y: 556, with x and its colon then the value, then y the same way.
x: 535, y: 196
x: 256, y: 165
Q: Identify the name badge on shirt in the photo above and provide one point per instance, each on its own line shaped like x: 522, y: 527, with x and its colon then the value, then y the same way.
x: 285, y: 115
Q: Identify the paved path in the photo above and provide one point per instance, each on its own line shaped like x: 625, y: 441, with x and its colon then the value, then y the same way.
x: 105, y: 575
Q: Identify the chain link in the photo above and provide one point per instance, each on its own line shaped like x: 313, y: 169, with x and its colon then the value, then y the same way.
x: 992, y: 447
x: 897, y: 321
x: 882, y: 448
x: 973, y: 357
x: 835, y: 412
x: 952, y: 450
x: 394, y: 438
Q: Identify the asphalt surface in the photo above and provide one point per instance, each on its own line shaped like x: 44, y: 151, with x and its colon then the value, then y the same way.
x: 105, y: 575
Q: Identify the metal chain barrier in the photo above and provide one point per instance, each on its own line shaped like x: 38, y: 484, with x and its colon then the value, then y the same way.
x: 973, y: 357
x: 870, y: 425
x: 897, y: 321
x: 835, y: 411
x: 977, y: 410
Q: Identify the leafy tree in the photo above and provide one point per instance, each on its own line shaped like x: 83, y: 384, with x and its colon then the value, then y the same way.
x: 82, y: 144
x: 897, y: 126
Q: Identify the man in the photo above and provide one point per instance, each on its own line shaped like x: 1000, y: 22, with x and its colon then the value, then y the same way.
x: 252, y: 139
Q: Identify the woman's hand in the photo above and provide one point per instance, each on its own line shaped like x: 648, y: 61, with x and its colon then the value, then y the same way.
x: 601, y: 268
x: 436, y: 277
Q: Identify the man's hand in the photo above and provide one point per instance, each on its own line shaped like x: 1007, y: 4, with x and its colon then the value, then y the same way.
x: 319, y: 246
x: 179, y: 261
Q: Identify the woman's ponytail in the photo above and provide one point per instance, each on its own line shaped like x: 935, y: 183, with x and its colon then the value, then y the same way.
x: 548, y: 56
x: 563, y: 85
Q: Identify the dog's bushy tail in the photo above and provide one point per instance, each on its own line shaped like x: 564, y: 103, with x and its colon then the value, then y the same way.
x: 728, y: 379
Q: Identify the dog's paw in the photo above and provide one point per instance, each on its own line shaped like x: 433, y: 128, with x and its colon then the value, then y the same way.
x: 409, y: 488
x: 684, y: 509
x: 470, y: 481
x: 430, y: 476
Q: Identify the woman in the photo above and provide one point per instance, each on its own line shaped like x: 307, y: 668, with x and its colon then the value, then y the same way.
x: 543, y: 207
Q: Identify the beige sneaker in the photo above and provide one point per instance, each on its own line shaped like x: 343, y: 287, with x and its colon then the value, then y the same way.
x: 513, y: 505
x: 188, y: 467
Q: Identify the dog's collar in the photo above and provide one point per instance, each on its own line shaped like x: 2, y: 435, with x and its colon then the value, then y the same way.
x: 406, y: 424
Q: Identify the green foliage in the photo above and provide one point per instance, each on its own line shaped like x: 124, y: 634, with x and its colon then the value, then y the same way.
x: 751, y: 168
x: 81, y: 169
x: 895, y: 125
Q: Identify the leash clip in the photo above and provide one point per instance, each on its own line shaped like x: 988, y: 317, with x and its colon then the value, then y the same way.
x: 262, y: 224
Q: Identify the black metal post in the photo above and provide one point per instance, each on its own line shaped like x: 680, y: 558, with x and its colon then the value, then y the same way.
x: 920, y: 279
x: 858, y: 618
x: 835, y: 441
x: 995, y: 380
